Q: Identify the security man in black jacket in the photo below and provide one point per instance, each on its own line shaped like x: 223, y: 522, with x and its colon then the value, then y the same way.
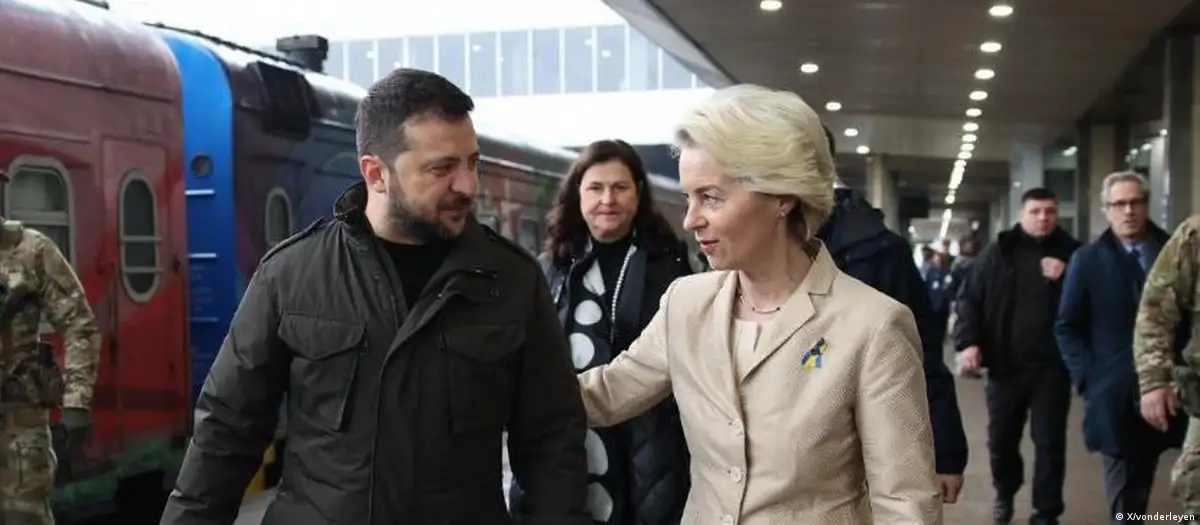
x: 1006, y: 309
x: 863, y: 247
x: 407, y: 338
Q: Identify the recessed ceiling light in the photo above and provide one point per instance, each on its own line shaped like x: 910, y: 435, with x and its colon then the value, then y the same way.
x: 964, y: 155
x: 770, y: 5
x: 984, y: 74
x: 809, y: 68
x: 960, y: 163
x: 969, y: 137
x: 967, y: 147
x: 1001, y: 10
x: 851, y: 132
x: 970, y: 126
x: 974, y: 112
x: 862, y: 150
x: 950, y: 198
x: 978, y: 95
x: 990, y: 46
x: 833, y: 105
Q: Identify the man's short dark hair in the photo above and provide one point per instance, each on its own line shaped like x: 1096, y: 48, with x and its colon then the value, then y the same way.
x: 1038, y: 194
x: 398, y: 97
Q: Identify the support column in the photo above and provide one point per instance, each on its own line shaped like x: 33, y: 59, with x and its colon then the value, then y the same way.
x: 1179, y: 101
x: 1027, y: 171
x: 1099, y: 154
x: 1158, y: 180
x: 998, y: 216
x: 881, y: 191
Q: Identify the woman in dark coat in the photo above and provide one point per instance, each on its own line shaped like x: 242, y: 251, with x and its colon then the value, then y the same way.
x: 609, y: 257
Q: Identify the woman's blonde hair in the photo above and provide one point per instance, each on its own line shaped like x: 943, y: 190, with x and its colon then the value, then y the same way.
x: 770, y: 141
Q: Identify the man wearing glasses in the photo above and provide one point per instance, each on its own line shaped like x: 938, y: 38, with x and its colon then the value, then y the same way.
x: 1095, y: 332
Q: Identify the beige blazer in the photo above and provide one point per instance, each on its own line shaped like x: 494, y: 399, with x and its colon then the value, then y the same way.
x: 791, y: 441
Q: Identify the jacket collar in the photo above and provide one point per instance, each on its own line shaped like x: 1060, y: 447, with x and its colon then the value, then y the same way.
x: 1058, y: 240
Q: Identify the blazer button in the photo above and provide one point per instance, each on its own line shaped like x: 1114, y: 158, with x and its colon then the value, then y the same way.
x: 738, y: 428
x: 736, y: 473
x: 727, y: 519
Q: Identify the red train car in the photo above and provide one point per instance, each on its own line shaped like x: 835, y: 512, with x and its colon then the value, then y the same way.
x: 90, y: 133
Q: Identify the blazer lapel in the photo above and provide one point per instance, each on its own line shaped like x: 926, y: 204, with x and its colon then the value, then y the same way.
x: 796, y: 312
x: 718, y: 334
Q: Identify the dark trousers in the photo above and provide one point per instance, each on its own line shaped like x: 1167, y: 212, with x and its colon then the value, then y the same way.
x: 1128, y: 479
x: 1043, y: 396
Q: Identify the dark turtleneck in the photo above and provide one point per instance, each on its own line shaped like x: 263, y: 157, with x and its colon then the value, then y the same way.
x: 611, y: 256
x: 415, y: 265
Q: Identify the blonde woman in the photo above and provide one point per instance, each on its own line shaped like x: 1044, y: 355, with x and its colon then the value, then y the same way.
x: 801, y: 390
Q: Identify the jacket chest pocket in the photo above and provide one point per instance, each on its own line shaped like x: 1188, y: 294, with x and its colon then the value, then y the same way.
x: 480, y: 373
x: 325, y: 360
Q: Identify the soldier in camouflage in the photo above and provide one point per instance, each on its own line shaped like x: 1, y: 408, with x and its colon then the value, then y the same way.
x: 37, y: 283
x: 1168, y: 375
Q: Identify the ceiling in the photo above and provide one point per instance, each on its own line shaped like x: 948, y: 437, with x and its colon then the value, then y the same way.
x: 902, y: 70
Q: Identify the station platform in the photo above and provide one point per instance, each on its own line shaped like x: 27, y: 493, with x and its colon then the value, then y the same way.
x: 1084, y: 492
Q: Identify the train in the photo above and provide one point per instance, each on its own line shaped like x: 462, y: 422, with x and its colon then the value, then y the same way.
x: 164, y: 163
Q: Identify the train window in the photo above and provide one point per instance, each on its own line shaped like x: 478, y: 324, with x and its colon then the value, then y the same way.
x: 39, y: 196
x: 530, y: 235
x: 279, y: 217
x: 139, y: 237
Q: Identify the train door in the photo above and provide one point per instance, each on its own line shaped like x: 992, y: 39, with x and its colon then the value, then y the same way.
x: 145, y: 291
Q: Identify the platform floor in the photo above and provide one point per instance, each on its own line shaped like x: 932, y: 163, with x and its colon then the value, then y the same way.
x: 1085, y: 500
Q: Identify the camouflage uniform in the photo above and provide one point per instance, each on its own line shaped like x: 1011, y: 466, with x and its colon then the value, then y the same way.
x: 1170, y: 295
x: 36, y: 283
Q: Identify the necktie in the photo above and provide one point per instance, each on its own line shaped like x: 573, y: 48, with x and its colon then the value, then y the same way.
x: 1136, y: 254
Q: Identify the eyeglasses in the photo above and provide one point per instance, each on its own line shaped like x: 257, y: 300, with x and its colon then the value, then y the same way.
x: 1130, y: 203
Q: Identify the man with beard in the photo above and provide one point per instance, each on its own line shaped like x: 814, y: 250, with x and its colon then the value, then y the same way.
x: 407, y: 338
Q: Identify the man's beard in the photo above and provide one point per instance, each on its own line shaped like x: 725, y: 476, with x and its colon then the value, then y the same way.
x: 404, y: 219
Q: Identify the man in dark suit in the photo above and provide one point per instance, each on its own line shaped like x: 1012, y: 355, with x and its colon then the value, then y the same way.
x: 1095, y: 327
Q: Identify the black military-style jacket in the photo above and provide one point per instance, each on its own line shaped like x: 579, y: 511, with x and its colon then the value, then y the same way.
x: 376, y: 389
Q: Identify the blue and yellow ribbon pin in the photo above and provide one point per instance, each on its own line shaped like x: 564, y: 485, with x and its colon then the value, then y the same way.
x: 812, y: 358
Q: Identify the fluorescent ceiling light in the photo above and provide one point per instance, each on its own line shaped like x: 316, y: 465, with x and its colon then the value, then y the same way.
x: 974, y: 112
x: 833, y: 105
x: 984, y: 74
x: 862, y: 150
x: 969, y: 137
x: 851, y: 132
x: 809, y: 68
x: 1001, y: 11
x: 978, y: 95
x: 970, y: 126
x: 990, y: 46
x: 770, y: 5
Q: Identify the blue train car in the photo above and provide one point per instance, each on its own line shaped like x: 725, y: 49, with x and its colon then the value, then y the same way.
x: 268, y: 146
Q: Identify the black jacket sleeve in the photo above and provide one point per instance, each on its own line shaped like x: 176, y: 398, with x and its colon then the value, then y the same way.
x: 546, y: 433
x: 900, y: 279
x: 968, y: 325
x: 236, y: 413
